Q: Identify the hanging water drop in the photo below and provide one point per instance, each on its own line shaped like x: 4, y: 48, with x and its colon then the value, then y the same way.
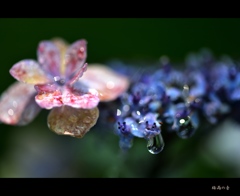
x: 155, y: 144
x: 185, y: 92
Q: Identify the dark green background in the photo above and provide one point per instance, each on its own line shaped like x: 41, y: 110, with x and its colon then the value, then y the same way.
x: 28, y: 151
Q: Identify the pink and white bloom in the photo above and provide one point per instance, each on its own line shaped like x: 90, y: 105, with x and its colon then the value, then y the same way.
x: 61, y: 84
x: 17, y: 104
x: 54, y: 75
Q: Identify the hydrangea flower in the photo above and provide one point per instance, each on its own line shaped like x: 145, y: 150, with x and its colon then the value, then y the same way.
x: 138, y: 102
x: 59, y: 82
x: 163, y: 98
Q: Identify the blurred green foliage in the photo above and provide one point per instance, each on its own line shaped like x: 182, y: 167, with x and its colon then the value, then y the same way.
x: 34, y: 151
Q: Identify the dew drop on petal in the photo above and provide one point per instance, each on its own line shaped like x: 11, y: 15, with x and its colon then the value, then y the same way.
x: 71, y: 121
x: 49, y: 57
x: 106, y: 81
x: 119, y: 112
x: 136, y: 115
x: 185, y: 92
x: 155, y: 144
x: 17, y: 104
x: 110, y: 85
x: 29, y: 71
x: 75, y: 57
x: 126, y: 108
x: 10, y: 112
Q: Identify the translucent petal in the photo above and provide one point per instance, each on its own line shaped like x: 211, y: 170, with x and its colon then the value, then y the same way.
x: 30, y: 112
x: 75, y: 57
x: 72, y: 121
x: 28, y: 71
x: 62, y: 46
x: 108, y: 83
x: 44, y: 88
x: 17, y: 105
x: 78, y: 74
x: 49, y: 57
x: 60, y: 43
x: 49, y: 96
x: 80, y: 97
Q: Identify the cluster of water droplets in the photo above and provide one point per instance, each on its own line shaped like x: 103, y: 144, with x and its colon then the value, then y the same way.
x: 166, y: 99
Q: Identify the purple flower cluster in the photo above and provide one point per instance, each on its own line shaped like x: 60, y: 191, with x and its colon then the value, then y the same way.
x: 164, y: 98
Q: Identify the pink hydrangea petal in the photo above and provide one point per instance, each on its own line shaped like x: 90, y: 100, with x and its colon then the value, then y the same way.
x: 30, y: 112
x: 78, y: 74
x: 49, y: 96
x: 43, y: 88
x: 28, y: 71
x: 70, y: 121
x: 49, y: 57
x: 17, y: 105
x: 80, y: 97
x: 75, y: 57
x: 62, y: 45
x: 108, y: 83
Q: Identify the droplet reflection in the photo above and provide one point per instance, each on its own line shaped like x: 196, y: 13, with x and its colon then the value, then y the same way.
x: 155, y: 144
x: 187, y: 126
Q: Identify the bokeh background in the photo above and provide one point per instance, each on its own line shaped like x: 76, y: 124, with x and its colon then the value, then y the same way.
x: 35, y: 151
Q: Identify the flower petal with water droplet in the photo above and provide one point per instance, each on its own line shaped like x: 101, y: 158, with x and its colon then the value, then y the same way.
x: 71, y: 121
x: 49, y: 57
x: 108, y: 83
x: 76, y: 55
x: 17, y: 105
x: 48, y: 96
x: 83, y: 97
x: 29, y: 71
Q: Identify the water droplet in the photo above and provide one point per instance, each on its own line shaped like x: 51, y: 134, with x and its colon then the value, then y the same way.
x: 60, y: 81
x: 136, y: 115
x: 56, y: 78
x: 155, y: 144
x: 185, y: 92
x: 187, y: 127
x: 110, y: 84
x: 126, y: 108
x: 10, y: 112
x: 119, y: 112
x: 15, y: 104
